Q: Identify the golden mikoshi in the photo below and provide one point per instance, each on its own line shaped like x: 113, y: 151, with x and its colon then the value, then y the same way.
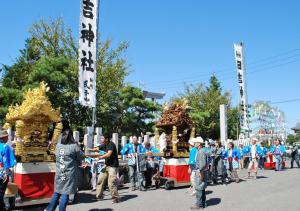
x: 32, y: 119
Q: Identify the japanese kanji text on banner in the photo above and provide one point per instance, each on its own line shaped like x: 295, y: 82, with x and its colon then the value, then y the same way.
x: 238, y: 50
x: 88, y: 52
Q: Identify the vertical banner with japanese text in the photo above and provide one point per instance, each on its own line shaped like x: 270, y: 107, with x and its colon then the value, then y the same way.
x: 239, y: 58
x: 223, y: 124
x: 88, y: 52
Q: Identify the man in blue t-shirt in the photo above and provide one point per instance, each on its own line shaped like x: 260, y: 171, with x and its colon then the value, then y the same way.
x: 192, y: 165
x: 137, y: 167
x: 151, y: 165
x: 7, y: 160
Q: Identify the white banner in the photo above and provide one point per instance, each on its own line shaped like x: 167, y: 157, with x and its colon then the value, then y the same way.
x: 88, y: 52
x: 223, y: 124
x: 238, y: 50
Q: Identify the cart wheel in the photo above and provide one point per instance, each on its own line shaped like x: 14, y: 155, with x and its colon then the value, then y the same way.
x: 168, y: 185
x: 12, y: 203
x: 72, y: 198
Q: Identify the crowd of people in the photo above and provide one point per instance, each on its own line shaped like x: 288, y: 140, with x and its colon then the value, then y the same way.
x: 105, y: 165
x: 216, y: 163
x: 209, y: 162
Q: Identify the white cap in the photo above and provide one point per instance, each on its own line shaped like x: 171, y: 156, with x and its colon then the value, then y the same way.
x: 191, y: 141
x: 211, y: 142
x: 198, y: 140
x: 254, y: 139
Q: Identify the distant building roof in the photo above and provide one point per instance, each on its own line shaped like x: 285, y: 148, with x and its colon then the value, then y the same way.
x: 154, y: 95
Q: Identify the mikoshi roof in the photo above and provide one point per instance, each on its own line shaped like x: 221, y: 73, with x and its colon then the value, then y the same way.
x: 35, y: 106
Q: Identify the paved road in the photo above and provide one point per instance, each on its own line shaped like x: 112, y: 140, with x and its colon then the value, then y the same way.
x: 272, y: 191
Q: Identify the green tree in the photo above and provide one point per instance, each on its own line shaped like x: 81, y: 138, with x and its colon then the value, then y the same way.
x: 111, y: 72
x: 136, y: 113
x: 233, y: 116
x: 204, y: 102
x: 293, y: 138
x: 50, y: 55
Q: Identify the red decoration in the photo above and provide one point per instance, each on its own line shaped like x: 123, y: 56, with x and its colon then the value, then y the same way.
x: 178, y: 172
x: 271, y: 164
x: 36, y: 185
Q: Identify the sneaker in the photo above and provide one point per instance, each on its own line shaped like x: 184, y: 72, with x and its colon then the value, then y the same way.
x: 196, y: 207
x: 193, y: 193
x: 142, y: 188
x: 116, y: 200
x: 190, y: 190
x: 133, y: 189
x: 100, y: 198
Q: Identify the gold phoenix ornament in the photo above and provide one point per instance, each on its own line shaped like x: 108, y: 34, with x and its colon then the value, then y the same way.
x: 32, y: 119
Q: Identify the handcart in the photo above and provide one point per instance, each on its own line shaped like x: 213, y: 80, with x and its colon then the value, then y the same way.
x: 175, y: 173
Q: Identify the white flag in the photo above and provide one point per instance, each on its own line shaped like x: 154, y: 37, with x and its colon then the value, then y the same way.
x: 87, y: 52
x: 238, y: 52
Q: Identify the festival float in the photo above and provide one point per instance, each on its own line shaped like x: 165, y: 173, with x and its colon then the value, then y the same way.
x: 35, y: 169
x: 268, y: 124
x: 177, y: 127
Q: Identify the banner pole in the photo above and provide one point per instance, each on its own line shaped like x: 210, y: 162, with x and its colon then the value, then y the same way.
x: 88, y: 55
x: 94, y: 119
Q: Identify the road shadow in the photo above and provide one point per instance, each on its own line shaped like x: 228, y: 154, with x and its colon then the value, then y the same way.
x: 123, y: 187
x: 178, y: 188
x: 39, y: 207
x: 106, y: 209
x: 213, y: 201
x: 85, y: 198
x: 261, y: 177
x: 127, y: 197
x: 208, y: 192
x: 258, y: 177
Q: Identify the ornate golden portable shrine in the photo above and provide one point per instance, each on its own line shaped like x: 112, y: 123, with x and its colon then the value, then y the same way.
x: 32, y: 119
x: 178, y: 126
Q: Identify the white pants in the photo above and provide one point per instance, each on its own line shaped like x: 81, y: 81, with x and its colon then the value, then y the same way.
x: 192, y: 178
x: 253, y: 165
x: 94, y: 180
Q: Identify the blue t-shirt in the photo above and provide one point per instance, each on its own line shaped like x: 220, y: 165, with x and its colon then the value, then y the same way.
x: 7, y: 158
x: 192, y: 159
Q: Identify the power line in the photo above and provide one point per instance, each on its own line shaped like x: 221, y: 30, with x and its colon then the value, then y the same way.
x: 286, y: 101
x: 275, y: 56
x: 231, y: 73
x: 230, y: 68
x: 271, y: 67
x: 229, y: 76
x: 275, y: 66
x: 275, y: 61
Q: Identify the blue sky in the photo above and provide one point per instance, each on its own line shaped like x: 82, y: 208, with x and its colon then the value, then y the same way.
x: 174, y: 41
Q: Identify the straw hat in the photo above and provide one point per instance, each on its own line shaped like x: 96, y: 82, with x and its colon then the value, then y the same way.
x: 3, y: 134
